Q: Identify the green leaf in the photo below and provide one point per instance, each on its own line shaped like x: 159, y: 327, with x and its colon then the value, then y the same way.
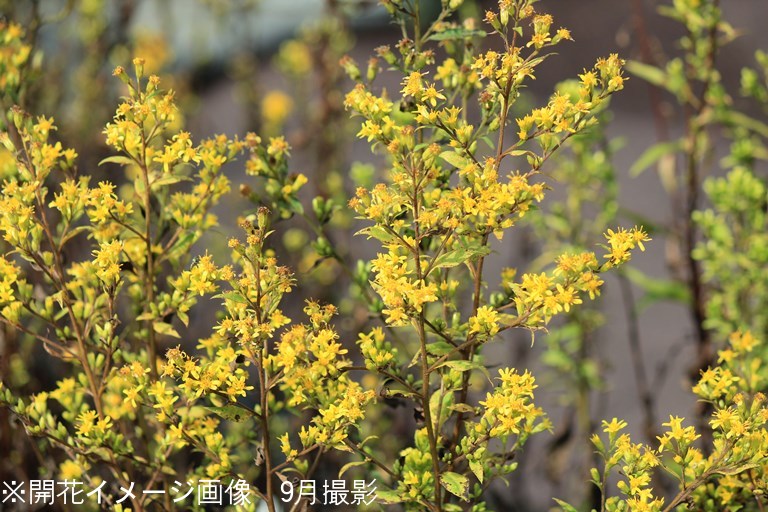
x: 565, y: 506
x: 456, y: 33
x: 477, y: 469
x: 654, y: 154
x: 377, y: 232
x: 462, y: 365
x: 734, y: 118
x: 185, y: 242
x: 440, y: 405
x: 168, y: 179
x: 351, y: 465
x: 296, y: 206
x: 461, y: 255
x: 73, y: 233
x: 456, y: 484
x: 166, y: 329
x: 736, y: 470
x: 440, y: 348
x: 454, y: 159
x: 657, y: 290
x: 117, y: 159
x: 649, y: 73
x: 463, y: 408
x: 231, y: 412
x: 389, y: 496
x: 233, y: 296
x: 366, y: 440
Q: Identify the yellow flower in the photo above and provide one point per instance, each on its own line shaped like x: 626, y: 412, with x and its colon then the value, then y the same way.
x: 412, y: 85
x: 86, y: 423
x: 276, y: 107
x: 614, y: 426
x: 70, y: 470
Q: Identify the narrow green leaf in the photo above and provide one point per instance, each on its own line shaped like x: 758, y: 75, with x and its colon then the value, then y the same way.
x: 231, y: 412
x: 168, y: 179
x: 117, y: 159
x: 462, y: 255
x: 456, y: 33
x: 730, y: 471
x: 366, y: 440
x: 165, y: 329
x: 233, y: 296
x: 73, y: 233
x: 462, y: 365
x: 351, y: 465
x: 654, y: 154
x: 735, y: 118
x: 454, y: 159
x: 439, y: 348
x: 565, y: 506
x: 463, y: 408
x: 377, y: 232
x: 649, y: 73
x: 184, y: 243
x: 657, y: 290
x: 389, y: 496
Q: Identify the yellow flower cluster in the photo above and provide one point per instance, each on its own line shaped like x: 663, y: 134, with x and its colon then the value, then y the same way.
x: 102, y: 202
x: 508, y: 413
x: 377, y: 351
x: 215, y: 374
x: 414, y: 466
x: 90, y: 426
x: 637, y: 464
x: 732, y: 475
x: 402, y: 294
x: 540, y: 296
x: 566, y: 114
x: 510, y: 410
x: 14, y: 55
x: 107, y: 260
x: 10, y: 272
x: 311, y: 362
x: 201, y: 279
x: 485, y: 322
x: 622, y: 242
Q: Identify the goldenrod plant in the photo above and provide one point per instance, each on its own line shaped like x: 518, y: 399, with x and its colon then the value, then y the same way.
x: 729, y: 474
x: 158, y: 406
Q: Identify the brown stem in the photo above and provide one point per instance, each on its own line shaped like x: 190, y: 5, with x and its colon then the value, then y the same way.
x: 469, y: 352
x: 265, y: 434
x: 638, y: 362
x: 425, y: 369
x: 370, y: 458
x: 654, y: 94
x: 149, y: 277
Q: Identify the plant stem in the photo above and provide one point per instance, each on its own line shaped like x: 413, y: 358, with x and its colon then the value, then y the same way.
x: 149, y: 277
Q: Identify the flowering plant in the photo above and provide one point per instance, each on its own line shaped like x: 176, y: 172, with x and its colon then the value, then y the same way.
x: 99, y: 277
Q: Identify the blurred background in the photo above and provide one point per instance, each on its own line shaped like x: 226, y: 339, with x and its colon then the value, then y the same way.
x: 271, y: 66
